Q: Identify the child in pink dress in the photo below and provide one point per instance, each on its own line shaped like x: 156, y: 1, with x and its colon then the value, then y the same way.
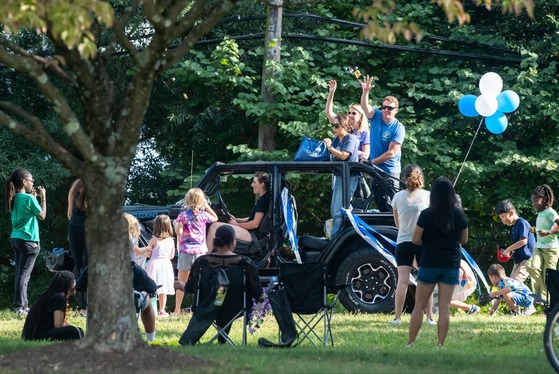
x: 190, y: 227
x: 159, y: 267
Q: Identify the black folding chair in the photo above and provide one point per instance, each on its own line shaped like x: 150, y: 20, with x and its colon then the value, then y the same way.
x: 206, y: 313
x: 306, y: 290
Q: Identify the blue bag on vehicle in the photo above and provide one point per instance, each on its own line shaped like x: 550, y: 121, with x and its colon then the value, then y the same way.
x: 312, y: 150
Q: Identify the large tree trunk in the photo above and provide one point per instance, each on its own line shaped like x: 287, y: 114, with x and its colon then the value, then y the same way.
x: 111, y: 318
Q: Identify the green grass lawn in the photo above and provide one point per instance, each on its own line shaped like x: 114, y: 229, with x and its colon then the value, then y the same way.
x: 363, y: 344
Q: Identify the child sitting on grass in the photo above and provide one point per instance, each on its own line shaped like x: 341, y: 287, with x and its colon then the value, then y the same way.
x: 516, y: 294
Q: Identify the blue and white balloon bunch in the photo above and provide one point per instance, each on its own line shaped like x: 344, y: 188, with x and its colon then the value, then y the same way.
x: 491, y: 104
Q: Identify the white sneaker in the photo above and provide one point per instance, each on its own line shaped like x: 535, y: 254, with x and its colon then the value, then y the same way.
x: 530, y: 310
x: 396, y: 321
x: 431, y: 322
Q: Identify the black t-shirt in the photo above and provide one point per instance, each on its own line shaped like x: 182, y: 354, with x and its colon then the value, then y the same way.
x: 262, y: 205
x: 440, y: 249
x: 46, y: 319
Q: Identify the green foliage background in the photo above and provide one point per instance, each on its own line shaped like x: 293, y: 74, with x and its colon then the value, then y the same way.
x: 223, y: 108
x: 208, y: 107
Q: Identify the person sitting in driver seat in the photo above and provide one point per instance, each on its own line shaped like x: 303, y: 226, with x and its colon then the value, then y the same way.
x: 242, y: 226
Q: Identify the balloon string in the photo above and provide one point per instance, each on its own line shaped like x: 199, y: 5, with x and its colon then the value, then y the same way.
x: 468, y: 153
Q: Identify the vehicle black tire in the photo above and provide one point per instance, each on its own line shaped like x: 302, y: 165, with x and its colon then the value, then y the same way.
x: 372, y: 279
x: 551, y: 337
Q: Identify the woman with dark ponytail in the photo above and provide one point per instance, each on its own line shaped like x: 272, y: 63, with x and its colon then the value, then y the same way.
x: 25, y: 210
x: 441, y: 230
x: 222, y: 258
x: 47, y: 317
x: 224, y: 243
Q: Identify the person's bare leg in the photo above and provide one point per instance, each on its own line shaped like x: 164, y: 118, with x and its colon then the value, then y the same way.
x: 401, y: 290
x: 241, y: 234
x: 210, y: 235
x: 460, y: 305
x: 510, y: 302
x: 179, y: 294
x: 422, y: 293
x: 162, y: 302
x: 445, y: 295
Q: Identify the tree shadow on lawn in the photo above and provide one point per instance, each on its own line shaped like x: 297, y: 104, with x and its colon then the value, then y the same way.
x: 69, y: 358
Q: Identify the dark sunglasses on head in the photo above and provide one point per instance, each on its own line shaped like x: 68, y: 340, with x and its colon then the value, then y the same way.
x: 389, y: 108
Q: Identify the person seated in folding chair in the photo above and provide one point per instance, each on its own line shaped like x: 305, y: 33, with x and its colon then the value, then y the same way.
x: 205, y: 283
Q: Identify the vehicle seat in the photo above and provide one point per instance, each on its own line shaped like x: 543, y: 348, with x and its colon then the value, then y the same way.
x: 359, y: 204
x: 311, y: 247
x: 312, y: 243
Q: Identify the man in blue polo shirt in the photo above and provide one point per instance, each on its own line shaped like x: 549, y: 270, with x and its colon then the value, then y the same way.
x: 387, y: 135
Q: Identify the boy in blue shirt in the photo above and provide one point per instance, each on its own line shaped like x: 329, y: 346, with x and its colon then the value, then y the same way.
x: 516, y: 294
x: 523, y: 240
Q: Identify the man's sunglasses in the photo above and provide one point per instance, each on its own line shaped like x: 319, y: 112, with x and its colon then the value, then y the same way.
x: 389, y: 108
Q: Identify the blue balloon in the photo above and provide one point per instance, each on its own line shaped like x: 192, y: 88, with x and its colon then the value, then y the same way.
x: 508, y: 101
x: 466, y: 106
x: 497, y: 123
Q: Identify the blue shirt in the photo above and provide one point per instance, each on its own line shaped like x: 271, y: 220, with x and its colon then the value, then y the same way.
x: 381, y: 136
x: 350, y: 144
x: 520, y: 230
x: 515, y: 286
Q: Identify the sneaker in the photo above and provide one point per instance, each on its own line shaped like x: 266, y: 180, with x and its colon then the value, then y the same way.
x: 396, y: 321
x: 22, y: 312
x: 431, y: 322
x: 163, y: 314
x: 473, y: 310
x: 530, y: 310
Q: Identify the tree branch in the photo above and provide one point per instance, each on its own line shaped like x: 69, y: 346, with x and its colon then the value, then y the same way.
x: 29, y: 67
x: 119, y: 27
x: 52, y: 65
x: 209, y: 19
x: 36, y: 134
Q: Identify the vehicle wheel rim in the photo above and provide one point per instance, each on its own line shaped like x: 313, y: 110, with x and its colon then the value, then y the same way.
x: 551, y: 339
x: 371, y: 284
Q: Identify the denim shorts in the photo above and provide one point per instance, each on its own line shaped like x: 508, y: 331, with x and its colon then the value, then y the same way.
x: 521, y: 299
x: 447, y: 276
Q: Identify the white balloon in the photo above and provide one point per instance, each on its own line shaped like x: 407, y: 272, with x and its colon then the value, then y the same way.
x: 486, y: 105
x: 490, y: 84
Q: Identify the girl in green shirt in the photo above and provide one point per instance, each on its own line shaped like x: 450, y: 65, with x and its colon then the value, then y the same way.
x: 25, y: 210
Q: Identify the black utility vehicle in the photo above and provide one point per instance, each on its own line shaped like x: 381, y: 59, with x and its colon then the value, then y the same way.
x: 349, y: 258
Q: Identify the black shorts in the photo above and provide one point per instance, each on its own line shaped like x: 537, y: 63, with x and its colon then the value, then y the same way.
x: 405, y: 252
